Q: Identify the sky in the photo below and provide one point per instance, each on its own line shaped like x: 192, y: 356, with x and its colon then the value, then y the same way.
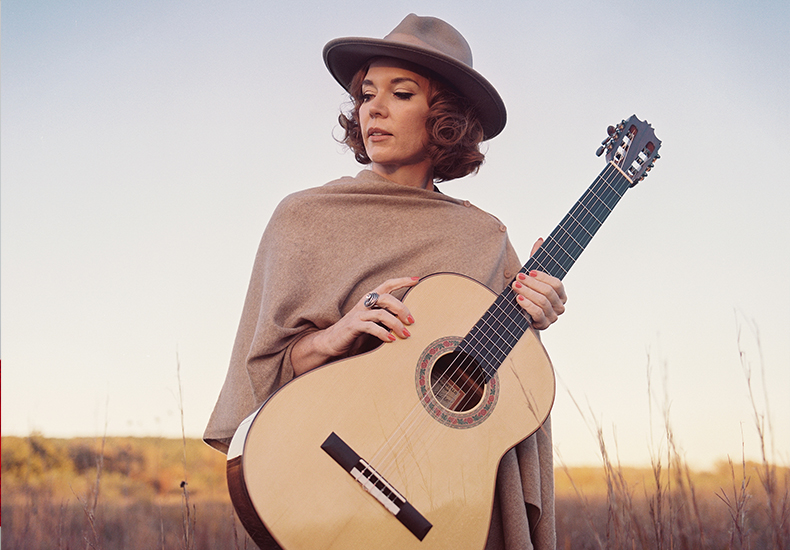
x: 144, y: 145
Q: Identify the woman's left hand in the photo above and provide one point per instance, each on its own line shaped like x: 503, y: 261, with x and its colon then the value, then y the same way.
x: 541, y: 295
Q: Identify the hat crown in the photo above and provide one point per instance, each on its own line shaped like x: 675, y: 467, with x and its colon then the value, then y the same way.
x: 430, y: 43
x: 434, y: 34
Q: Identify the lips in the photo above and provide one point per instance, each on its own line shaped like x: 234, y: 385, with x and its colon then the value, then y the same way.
x: 377, y: 132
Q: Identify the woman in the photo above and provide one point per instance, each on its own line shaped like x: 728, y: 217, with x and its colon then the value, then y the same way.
x: 335, y: 261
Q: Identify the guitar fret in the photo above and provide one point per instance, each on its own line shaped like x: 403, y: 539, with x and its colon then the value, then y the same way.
x: 493, y: 334
x: 492, y: 338
x: 569, y: 258
x: 584, y: 206
x: 575, y: 247
x: 550, y: 265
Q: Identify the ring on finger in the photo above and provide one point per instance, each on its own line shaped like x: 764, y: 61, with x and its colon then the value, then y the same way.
x: 371, y: 299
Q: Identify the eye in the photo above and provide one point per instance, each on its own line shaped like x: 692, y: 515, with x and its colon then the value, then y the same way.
x: 404, y: 95
x: 365, y: 97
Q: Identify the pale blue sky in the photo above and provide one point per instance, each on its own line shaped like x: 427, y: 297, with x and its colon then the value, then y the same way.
x: 144, y: 146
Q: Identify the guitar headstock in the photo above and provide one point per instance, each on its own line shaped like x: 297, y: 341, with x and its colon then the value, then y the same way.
x: 633, y: 147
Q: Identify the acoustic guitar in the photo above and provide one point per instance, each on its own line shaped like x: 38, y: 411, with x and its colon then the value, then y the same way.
x: 398, y: 448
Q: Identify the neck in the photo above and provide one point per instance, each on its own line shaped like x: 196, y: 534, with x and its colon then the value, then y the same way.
x: 412, y: 175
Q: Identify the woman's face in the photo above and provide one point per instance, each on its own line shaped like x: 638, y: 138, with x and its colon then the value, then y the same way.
x: 392, y: 117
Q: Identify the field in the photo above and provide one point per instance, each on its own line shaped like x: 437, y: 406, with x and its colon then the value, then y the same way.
x: 148, y: 493
x: 116, y: 493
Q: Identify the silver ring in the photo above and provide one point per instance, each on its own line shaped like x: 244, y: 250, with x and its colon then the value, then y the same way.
x: 371, y: 299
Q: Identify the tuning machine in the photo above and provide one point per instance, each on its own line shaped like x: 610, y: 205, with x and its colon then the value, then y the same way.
x: 647, y: 169
x: 608, y: 142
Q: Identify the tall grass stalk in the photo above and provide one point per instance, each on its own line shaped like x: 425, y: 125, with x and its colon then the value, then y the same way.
x: 587, y: 509
x: 671, y: 514
x: 674, y: 509
x: 91, y: 504
x: 737, y: 507
x: 623, y: 526
x: 235, y: 523
x: 188, y: 514
x: 777, y: 502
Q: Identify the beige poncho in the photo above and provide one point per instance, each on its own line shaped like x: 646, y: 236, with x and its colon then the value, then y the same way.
x: 323, y: 249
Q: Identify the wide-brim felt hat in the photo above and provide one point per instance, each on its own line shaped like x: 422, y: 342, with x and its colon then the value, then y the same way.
x: 430, y: 43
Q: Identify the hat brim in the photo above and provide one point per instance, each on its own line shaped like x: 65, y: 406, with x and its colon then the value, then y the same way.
x: 345, y: 56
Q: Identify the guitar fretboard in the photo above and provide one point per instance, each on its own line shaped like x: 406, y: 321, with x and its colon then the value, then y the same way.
x: 504, y: 323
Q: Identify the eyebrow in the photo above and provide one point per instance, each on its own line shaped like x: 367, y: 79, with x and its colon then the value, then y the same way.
x: 397, y: 80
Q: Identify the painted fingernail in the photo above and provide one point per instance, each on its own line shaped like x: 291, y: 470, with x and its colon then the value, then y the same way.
x: 522, y: 276
x: 410, y: 319
x: 519, y: 285
x: 533, y: 273
x: 391, y: 337
x: 520, y: 298
x: 415, y: 278
x: 407, y: 333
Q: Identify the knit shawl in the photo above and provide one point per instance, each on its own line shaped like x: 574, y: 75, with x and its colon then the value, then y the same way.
x: 323, y: 249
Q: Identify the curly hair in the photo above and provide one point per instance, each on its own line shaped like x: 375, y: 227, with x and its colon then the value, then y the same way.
x: 454, y: 129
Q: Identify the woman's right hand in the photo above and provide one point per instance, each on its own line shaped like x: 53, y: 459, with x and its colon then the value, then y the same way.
x: 387, y: 319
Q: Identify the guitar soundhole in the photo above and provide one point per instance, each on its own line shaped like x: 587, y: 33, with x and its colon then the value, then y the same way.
x: 451, y: 386
x: 457, y: 382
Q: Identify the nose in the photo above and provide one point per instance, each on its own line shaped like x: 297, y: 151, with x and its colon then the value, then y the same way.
x: 377, y: 107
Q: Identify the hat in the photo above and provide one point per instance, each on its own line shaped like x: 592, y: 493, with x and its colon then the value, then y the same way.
x: 430, y: 43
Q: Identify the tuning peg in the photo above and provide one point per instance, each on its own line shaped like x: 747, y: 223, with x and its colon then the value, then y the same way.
x: 600, y: 150
x: 610, y: 130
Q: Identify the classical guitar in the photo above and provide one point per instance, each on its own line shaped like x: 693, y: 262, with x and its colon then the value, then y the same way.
x: 398, y: 448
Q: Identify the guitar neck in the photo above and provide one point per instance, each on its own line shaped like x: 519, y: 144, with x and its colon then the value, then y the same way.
x: 569, y: 239
x: 494, y: 335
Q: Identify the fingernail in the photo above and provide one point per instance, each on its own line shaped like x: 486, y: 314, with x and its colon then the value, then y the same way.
x: 407, y: 333
x: 391, y: 337
x: 522, y: 276
x: 415, y: 278
x: 533, y: 273
x: 519, y: 285
x: 520, y: 298
x: 410, y: 319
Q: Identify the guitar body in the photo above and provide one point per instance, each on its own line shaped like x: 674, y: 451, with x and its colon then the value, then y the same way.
x: 438, y: 450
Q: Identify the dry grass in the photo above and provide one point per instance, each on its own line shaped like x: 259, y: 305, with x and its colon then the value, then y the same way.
x: 141, y: 506
x: 115, y: 494
x: 671, y: 507
x: 127, y: 493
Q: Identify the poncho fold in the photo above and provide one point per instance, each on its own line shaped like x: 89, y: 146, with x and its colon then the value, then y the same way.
x: 322, y: 250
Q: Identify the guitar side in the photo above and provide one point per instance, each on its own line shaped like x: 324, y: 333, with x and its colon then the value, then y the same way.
x: 447, y: 472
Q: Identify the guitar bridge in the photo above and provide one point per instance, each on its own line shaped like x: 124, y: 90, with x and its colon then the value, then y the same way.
x: 375, y: 484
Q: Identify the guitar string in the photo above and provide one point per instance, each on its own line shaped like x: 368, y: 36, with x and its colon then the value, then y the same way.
x: 425, y: 437
x: 426, y: 440
x: 404, y: 430
x: 560, y: 242
x: 581, y: 223
x: 508, y: 315
x: 549, y: 250
x: 508, y: 311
